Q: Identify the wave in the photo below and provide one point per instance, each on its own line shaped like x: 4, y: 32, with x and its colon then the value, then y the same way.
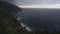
x: 27, y: 28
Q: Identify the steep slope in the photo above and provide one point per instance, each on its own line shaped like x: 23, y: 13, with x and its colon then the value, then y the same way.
x: 8, y: 21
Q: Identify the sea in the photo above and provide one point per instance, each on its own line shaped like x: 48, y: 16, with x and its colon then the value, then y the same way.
x: 40, y: 19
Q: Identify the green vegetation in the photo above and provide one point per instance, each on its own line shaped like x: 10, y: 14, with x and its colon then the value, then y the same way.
x: 8, y: 22
x: 6, y: 28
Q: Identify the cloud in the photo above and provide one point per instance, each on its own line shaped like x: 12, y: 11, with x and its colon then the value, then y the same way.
x: 32, y: 2
x: 29, y: 2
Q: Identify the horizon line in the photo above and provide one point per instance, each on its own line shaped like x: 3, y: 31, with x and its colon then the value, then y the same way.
x: 41, y: 6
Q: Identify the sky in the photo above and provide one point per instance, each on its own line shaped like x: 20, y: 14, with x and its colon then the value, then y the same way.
x: 35, y: 3
x: 38, y: 3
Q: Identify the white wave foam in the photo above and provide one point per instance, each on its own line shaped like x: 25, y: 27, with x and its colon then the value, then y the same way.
x: 27, y: 28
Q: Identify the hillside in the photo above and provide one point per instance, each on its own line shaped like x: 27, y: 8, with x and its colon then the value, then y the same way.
x: 8, y: 22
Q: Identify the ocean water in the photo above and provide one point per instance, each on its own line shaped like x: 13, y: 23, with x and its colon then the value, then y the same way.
x: 40, y: 19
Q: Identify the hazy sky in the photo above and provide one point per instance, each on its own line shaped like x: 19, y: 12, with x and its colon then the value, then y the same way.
x: 35, y: 3
x: 30, y: 2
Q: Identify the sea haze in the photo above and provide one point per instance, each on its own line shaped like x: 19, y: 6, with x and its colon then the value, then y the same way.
x: 41, y: 18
